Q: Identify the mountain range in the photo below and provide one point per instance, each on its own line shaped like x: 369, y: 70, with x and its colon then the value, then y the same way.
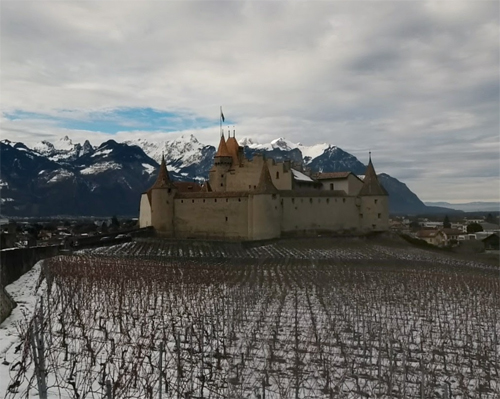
x: 66, y: 178
x: 477, y: 206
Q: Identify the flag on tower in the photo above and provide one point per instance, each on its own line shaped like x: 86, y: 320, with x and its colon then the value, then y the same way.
x: 222, y: 115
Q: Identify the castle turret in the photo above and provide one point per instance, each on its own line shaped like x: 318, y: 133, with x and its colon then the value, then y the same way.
x: 265, y: 210
x: 222, y: 163
x: 161, y: 196
x: 374, y: 202
x: 371, y: 185
x: 233, y: 149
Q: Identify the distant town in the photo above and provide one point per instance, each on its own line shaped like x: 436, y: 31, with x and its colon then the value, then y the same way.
x: 473, y: 233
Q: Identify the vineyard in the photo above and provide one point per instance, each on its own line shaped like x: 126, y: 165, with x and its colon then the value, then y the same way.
x: 298, y: 319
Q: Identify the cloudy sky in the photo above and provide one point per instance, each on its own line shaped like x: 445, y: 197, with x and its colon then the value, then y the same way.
x: 415, y: 82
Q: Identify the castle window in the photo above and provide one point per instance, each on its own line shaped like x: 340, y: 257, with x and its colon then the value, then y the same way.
x: 311, y: 200
x: 222, y: 184
x: 274, y: 196
x: 226, y: 218
x: 249, y: 186
x: 277, y: 175
x: 361, y: 216
x: 239, y: 199
x: 293, y: 200
x: 379, y: 215
x: 227, y: 199
x: 182, y: 201
x: 331, y: 186
x: 376, y: 200
x: 203, y: 200
x: 343, y: 200
x: 221, y: 175
x: 215, y: 200
x: 328, y: 200
x: 254, y: 187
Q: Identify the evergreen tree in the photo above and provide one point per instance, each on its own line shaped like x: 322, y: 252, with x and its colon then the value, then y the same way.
x: 115, y: 222
x: 490, y: 218
x: 446, y: 222
x: 474, y: 228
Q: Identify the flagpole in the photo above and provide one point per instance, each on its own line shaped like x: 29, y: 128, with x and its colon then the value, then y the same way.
x: 220, y: 119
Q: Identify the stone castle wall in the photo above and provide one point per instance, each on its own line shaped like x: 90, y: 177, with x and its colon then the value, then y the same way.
x: 308, y: 214
x: 375, y: 213
x: 265, y: 215
x: 260, y: 199
x: 246, y: 177
x: 212, y: 217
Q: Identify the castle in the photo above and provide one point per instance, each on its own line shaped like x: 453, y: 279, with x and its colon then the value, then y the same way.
x: 262, y: 199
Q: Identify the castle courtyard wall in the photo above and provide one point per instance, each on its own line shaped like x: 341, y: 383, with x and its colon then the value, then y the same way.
x: 355, y: 184
x: 265, y: 214
x: 281, y: 175
x: 216, y: 217
x: 350, y: 185
x: 309, y: 214
x: 246, y: 177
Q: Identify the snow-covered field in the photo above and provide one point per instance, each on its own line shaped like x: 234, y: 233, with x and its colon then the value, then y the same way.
x: 311, y: 321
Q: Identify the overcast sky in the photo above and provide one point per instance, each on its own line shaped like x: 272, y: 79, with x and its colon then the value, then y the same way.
x: 415, y: 82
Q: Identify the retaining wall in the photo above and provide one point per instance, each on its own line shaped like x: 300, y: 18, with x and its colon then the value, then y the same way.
x: 14, y: 262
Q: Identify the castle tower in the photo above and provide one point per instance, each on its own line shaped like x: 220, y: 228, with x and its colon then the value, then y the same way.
x: 233, y: 148
x: 374, y: 209
x: 265, y: 210
x: 161, y: 196
x: 222, y: 163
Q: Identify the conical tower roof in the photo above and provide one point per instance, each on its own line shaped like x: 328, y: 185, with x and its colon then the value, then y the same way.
x: 233, y: 147
x: 206, y: 187
x: 222, y: 151
x: 163, y: 179
x: 265, y: 181
x: 371, y: 185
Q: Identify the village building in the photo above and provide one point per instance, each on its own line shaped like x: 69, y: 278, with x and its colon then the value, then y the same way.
x: 433, y: 236
x: 492, y: 242
x: 258, y: 198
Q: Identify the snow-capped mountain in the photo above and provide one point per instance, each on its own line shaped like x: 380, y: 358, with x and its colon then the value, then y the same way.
x: 105, y: 181
x: 70, y: 178
x: 63, y: 150
x: 308, y: 152
x: 185, y: 155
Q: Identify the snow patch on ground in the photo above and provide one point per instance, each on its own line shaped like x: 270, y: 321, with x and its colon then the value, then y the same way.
x: 24, y: 292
